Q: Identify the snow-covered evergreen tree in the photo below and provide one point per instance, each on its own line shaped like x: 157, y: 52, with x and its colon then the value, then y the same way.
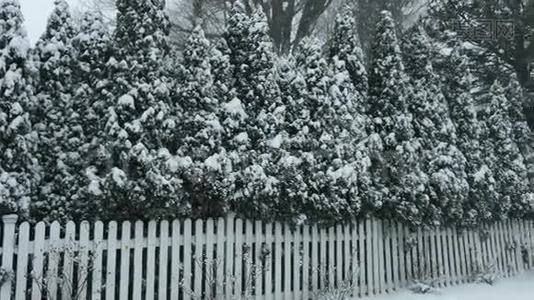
x: 221, y: 69
x: 323, y: 128
x: 200, y: 126
x: 255, y: 104
x: 516, y: 98
x: 521, y: 131
x: 18, y: 166
x: 505, y: 158
x: 346, y: 46
x: 91, y: 46
x: 141, y: 119
x: 442, y: 160
x: 483, y: 194
x: 397, y: 170
x: 59, y: 138
x: 201, y: 131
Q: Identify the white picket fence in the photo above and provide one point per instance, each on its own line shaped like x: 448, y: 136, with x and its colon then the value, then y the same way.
x: 230, y: 258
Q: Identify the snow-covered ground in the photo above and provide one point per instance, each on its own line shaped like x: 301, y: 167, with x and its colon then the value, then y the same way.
x: 517, y: 288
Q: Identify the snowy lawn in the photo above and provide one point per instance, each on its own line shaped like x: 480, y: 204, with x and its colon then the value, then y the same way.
x: 517, y: 288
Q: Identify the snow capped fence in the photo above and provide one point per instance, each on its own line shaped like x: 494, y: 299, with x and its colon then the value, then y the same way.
x: 230, y: 258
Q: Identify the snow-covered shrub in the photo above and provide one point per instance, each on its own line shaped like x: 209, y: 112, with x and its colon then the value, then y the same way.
x: 424, y: 287
x: 424, y: 282
x: 252, y: 272
x: 73, y: 284
x: 6, y: 276
x: 340, y: 291
x: 486, y: 274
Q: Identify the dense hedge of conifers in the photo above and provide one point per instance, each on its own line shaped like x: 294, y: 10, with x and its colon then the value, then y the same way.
x: 102, y: 125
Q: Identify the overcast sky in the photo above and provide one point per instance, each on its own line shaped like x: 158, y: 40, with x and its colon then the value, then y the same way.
x: 36, y: 13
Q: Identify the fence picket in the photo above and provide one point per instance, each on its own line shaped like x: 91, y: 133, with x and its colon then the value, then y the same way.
x: 504, y: 249
x: 338, y: 260
x: 488, y: 240
x: 507, y: 246
x: 420, y: 256
x: 515, y: 248
x: 400, y: 257
x: 332, y: 268
x: 220, y: 259
x: 37, y: 263
x: 453, y: 255
x: 477, y: 246
x: 53, y: 260
x: 439, y: 256
x: 198, y: 259
x: 381, y: 262
x: 530, y: 242
x: 286, y: 255
x: 387, y: 256
x: 523, y: 234
x: 176, y: 284
x: 461, y: 244
x: 229, y: 257
x: 446, y: 261
x: 482, y: 241
x: 519, y: 238
x: 315, y: 259
x: 370, y: 256
x: 297, y: 259
x: 111, y: 260
x: 83, y: 262
x: 248, y: 284
x: 464, y: 254
x: 278, y: 239
x: 151, y: 260
x: 98, y: 242
x: 434, y: 255
x: 210, y: 264
x: 22, y: 261
x: 348, y: 276
x: 187, y: 268
x: 239, y: 257
x: 323, y: 273
x: 125, y: 261
x: 138, y: 261
x: 269, y: 261
x: 493, y: 248
x: 478, y: 250
x: 518, y: 243
x: 259, y: 266
x: 501, y: 253
x: 472, y: 253
x: 163, y: 259
x: 362, y: 286
x: 306, y: 239
x: 410, y: 253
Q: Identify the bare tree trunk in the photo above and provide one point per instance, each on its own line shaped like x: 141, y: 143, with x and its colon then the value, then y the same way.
x: 311, y: 11
x: 282, y: 24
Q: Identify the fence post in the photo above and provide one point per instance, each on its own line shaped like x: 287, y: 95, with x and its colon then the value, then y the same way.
x: 8, y: 248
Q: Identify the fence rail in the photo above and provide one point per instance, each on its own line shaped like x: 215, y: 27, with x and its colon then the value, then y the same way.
x: 230, y: 258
